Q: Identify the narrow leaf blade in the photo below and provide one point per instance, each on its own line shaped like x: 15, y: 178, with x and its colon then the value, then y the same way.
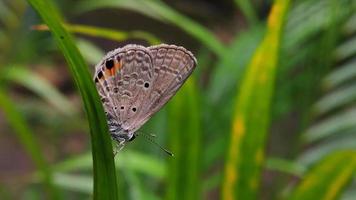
x: 105, y: 186
x: 245, y: 155
x: 327, y: 179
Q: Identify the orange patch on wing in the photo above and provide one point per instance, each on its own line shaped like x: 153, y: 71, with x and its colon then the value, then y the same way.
x: 107, y: 73
x: 117, y: 66
x: 113, y: 70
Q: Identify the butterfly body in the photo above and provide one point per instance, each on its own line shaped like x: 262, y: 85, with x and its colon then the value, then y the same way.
x: 134, y: 82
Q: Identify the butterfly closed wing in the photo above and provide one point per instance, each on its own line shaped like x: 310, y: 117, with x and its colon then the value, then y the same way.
x: 134, y: 82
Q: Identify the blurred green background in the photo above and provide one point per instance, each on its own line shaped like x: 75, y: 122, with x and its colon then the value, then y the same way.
x: 269, y: 112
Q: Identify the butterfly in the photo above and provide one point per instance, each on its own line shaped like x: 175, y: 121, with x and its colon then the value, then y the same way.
x: 134, y: 82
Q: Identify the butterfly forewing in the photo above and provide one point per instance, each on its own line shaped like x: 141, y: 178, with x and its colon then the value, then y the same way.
x: 134, y: 82
x: 126, y: 82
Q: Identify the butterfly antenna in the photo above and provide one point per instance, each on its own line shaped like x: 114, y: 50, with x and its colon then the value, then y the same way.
x: 150, y: 138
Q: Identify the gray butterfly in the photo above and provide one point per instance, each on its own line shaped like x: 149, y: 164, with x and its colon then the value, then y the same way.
x: 134, y: 82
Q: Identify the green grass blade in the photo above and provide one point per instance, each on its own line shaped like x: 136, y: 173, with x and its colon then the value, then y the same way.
x: 28, y: 140
x: 338, y: 123
x: 327, y: 179
x: 161, y: 11
x: 40, y: 86
x: 106, y: 33
x: 184, y: 135
x: 90, y: 52
x: 340, y: 75
x: 272, y: 164
x: 321, y: 149
x: 346, y: 49
x: 227, y: 74
x: 285, y: 166
x: 245, y: 156
x: 76, y: 183
x: 247, y: 9
x: 191, y: 27
x: 336, y: 99
x: 83, y: 183
x: 105, y: 186
x: 137, y: 162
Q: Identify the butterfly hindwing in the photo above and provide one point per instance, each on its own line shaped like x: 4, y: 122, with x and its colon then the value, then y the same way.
x: 172, y: 66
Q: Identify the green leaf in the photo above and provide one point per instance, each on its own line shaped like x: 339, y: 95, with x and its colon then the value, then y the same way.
x: 309, y: 18
x: 350, y: 194
x: 143, y: 163
x: 28, y: 140
x: 105, y: 186
x: 135, y: 161
x: 346, y: 49
x: 91, y: 53
x: 328, y: 145
x: 350, y: 25
x: 161, y: 11
x: 106, y: 33
x: 336, y: 99
x: 227, y: 73
x: 39, y: 86
x: 245, y: 156
x: 248, y: 10
x: 77, y: 183
x: 337, y: 123
x: 340, y: 75
x: 211, y: 182
x: 184, y: 128
x: 272, y: 163
x: 328, y: 178
x: 286, y: 166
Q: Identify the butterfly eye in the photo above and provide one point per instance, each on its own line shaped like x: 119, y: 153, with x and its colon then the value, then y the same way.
x: 109, y: 64
x: 147, y: 85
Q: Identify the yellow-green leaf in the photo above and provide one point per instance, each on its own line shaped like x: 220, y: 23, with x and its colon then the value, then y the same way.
x: 184, y: 135
x: 327, y: 179
x: 251, y: 118
x: 106, y: 33
x: 161, y: 11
